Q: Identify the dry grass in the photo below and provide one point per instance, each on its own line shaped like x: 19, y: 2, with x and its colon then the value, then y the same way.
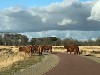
x: 58, y: 49
x: 11, y: 60
x: 86, y: 50
x: 7, y: 58
x: 90, y: 50
x: 21, y: 65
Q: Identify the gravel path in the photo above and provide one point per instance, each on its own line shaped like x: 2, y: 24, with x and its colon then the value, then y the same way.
x: 74, y: 65
x: 47, y: 64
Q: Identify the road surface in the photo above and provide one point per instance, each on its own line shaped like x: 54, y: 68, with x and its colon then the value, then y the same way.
x: 71, y: 64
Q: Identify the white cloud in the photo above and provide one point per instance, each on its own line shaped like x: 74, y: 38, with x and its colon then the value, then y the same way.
x: 66, y: 21
x: 65, y: 15
x: 80, y: 35
x: 95, y: 12
x: 12, y: 9
x: 68, y: 35
x: 58, y: 6
x: 53, y: 36
x: 44, y: 20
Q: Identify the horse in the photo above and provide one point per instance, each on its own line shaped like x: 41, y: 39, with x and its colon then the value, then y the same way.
x: 47, y: 48
x: 37, y: 49
x: 26, y: 49
x: 72, y: 48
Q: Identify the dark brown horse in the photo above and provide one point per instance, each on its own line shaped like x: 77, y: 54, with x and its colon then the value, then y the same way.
x: 47, y: 48
x: 72, y: 48
x: 40, y: 49
x: 37, y: 49
x: 34, y: 49
x: 26, y: 49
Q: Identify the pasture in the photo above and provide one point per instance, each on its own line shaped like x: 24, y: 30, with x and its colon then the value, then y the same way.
x: 90, y: 50
x: 85, y: 50
x: 12, y: 61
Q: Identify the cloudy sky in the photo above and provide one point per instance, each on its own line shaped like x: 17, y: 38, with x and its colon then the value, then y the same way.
x: 78, y: 19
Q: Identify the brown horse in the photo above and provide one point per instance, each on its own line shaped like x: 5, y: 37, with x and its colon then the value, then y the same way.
x: 34, y: 49
x: 26, y: 49
x: 72, y: 48
x: 47, y: 48
x: 31, y: 49
x: 37, y: 49
x: 76, y: 50
x: 40, y: 49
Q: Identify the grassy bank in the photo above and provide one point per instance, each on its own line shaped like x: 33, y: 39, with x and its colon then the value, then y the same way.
x: 34, y: 59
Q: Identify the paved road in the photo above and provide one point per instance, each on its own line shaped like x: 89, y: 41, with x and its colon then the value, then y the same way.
x: 74, y: 65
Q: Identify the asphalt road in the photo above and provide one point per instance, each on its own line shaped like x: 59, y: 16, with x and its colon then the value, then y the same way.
x: 74, y: 65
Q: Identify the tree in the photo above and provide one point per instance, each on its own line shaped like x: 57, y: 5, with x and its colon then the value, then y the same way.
x: 33, y: 41
x: 54, y: 39
x: 98, y: 41
x: 24, y: 40
x: 90, y: 42
x: 58, y: 42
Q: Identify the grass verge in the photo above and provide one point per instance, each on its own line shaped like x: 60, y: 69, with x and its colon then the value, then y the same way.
x: 34, y: 59
x: 92, y: 58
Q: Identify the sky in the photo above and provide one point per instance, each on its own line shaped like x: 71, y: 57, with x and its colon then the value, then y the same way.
x: 26, y: 3
x: 78, y: 19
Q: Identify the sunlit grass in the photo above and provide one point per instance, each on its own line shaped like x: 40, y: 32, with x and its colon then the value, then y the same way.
x: 34, y: 59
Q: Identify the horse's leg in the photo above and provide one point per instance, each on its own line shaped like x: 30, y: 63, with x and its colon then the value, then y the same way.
x: 74, y: 52
x: 47, y: 50
x: 51, y: 50
x: 41, y: 52
x: 70, y: 52
x: 30, y: 53
x: 79, y: 52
